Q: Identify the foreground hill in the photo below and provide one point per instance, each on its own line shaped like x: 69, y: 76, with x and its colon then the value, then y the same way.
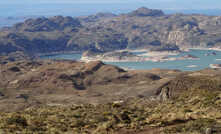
x: 77, y: 97
x: 142, y: 28
x: 32, y: 83
x: 194, y: 112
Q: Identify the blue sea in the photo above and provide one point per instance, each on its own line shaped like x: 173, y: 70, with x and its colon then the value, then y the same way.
x: 204, y: 61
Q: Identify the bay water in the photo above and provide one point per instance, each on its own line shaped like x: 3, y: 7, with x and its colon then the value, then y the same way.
x: 206, y: 57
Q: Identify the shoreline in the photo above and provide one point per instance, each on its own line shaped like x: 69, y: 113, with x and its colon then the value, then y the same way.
x: 57, y: 53
x: 214, y: 49
x: 147, y: 55
x: 160, y: 53
x: 139, y: 59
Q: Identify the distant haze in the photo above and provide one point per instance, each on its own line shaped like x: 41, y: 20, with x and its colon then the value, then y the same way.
x: 20, y: 8
x: 165, y: 4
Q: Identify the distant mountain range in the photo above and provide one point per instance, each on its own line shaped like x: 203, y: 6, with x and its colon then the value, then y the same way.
x: 12, y: 19
x: 142, y: 28
x: 210, y: 12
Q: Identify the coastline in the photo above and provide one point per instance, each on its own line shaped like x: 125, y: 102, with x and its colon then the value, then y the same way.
x: 152, y: 56
x: 201, y: 48
x: 145, y: 56
x: 160, y: 53
x: 57, y: 53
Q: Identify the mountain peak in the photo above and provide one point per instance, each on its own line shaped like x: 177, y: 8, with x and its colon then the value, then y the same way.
x: 143, y: 11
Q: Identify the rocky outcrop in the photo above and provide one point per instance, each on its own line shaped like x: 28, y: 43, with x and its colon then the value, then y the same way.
x: 143, y: 12
x: 93, y: 66
x: 16, y: 56
x: 47, y: 24
x: 164, y: 94
x: 176, y: 37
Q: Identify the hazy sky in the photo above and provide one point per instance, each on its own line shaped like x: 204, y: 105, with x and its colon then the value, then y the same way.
x: 180, y: 4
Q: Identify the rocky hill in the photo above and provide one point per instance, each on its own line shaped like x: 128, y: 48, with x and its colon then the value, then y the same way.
x: 70, y: 96
x: 142, y: 28
x: 32, y: 83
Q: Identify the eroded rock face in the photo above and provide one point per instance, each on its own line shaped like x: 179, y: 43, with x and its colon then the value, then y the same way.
x: 164, y: 94
x: 93, y: 66
x: 176, y: 37
x: 205, y: 80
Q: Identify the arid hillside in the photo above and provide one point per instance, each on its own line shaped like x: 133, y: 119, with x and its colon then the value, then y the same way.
x: 77, y: 97
x: 30, y: 83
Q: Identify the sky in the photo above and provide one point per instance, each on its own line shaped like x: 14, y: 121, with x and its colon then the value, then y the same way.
x: 20, y: 8
x: 165, y: 4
